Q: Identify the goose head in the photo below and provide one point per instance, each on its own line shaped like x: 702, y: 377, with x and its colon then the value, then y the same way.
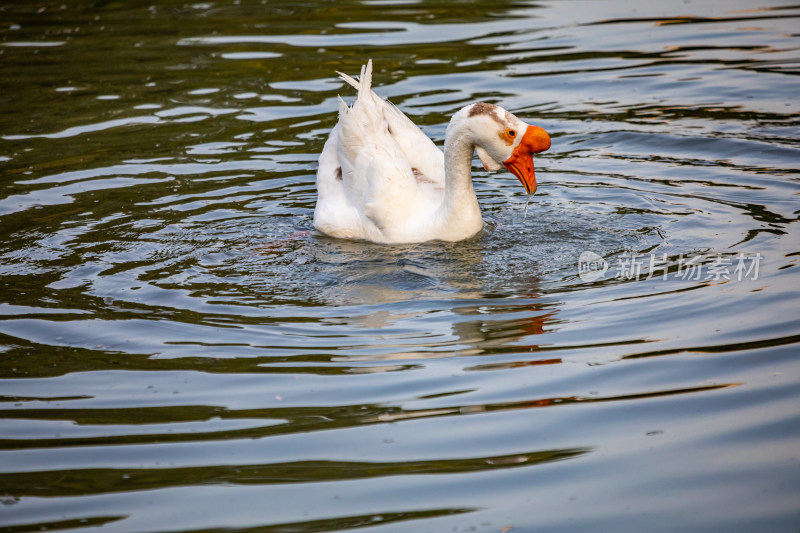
x: 503, y: 140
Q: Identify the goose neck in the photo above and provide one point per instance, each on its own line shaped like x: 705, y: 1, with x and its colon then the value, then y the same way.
x: 458, y: 150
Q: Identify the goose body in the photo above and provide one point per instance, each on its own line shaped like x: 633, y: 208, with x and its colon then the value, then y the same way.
x: 381, y: 179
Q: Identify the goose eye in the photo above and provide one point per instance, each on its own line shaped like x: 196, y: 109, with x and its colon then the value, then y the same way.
x: 508, y: 136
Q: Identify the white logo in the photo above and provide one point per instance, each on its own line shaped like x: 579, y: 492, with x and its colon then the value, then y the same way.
x: 591, y: 266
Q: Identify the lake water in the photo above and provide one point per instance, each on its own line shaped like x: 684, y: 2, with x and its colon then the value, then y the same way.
x: 181, y: 351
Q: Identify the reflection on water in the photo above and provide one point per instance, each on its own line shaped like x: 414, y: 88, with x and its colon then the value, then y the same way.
x: 181, y: 351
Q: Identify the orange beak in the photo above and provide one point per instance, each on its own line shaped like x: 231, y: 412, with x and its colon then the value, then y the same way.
x: 520, y: 163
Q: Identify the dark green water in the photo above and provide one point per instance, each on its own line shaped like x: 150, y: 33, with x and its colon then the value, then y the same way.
x: 180, y: 351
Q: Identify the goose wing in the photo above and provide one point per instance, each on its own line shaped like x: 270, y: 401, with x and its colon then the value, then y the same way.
x: 377, y: 178
x: 426, y: 160
x: 378, y: 175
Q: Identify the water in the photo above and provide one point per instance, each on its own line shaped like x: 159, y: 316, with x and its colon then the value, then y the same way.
x: 180, y: 351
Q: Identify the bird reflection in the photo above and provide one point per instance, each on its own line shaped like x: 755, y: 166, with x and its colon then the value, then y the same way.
x: 441, y: 288
x: 426, y: 300
x: 370, y: 274
x: 517, y: 325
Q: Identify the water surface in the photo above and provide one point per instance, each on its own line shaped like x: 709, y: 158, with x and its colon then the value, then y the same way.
x: 181, y: 351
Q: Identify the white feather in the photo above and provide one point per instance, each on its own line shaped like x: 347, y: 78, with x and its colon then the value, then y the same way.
x: 381, y: 179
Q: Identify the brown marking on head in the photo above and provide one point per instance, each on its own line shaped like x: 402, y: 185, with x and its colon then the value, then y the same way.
x: 482, y: 108
x: 338, y: 174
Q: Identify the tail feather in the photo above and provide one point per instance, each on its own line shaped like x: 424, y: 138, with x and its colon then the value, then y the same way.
x: 364, y: 83
x: 355, y: 84
x: 365, y: 79
x: 343, y: 108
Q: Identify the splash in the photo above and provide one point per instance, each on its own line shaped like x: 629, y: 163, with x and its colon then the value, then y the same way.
x: 525, y: 213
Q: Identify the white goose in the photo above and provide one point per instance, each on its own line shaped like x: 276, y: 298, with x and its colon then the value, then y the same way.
x: 381, y: 179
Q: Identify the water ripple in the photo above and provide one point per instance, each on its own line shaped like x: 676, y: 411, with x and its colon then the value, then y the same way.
x: 180, y: 350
